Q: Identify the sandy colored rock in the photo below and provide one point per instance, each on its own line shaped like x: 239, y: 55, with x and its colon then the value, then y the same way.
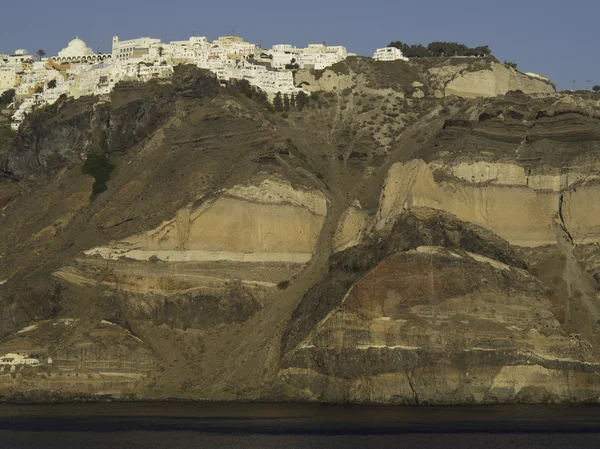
x: 350, y: 229
x: 328, y: 81
x: 581, y: 212
x: 521, y: 213
x: 271, y: 222
x: 497, y: 81
x: 395, y: 314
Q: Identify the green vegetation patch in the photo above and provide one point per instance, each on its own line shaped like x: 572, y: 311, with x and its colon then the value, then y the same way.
x: 100, y: 167
x: 252, y: 92
x: 397, y: 75
x: 472, y: 64
x: 440, y: 49
x: 7, y: 98
x: 7, y: 135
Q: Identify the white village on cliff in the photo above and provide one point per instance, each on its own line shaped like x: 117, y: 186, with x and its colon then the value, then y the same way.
x: 77, y: 70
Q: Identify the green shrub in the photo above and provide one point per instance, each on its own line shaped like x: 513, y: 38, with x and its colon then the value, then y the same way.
x: 301, y: 100
x: 100, y: 167
x: 278, y: 102
x: 7, y: 135
x: 7, y: 98
x: 440, y: 49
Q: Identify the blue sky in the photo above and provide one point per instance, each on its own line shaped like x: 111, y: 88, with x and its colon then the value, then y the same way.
x: 557, y: 38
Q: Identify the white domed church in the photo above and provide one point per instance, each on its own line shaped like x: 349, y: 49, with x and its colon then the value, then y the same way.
x: 77, y: 51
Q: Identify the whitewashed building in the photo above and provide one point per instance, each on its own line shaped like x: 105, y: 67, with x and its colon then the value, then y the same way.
x: 8, y: 78
x: 13, y: 359
x: 132, y: 49
x: 182, y: 52
x: 19, y: 56
x: 389, y: 54
x: 236, y: 48
x: 315, y: 56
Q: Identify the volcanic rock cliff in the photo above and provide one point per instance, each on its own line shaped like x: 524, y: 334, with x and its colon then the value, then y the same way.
x: 418, y: 233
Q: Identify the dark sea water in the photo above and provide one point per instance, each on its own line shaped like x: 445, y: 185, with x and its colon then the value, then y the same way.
x: 266, y: 426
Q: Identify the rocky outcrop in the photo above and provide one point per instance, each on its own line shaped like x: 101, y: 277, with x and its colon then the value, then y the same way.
x: 499, y: 80
x: 437, y: 324
x: 271, y: 222
x: 498, y: 196
x: 329, y: 81
x: 420, y: 227
x: 351, y: 229
x: 250, y: 233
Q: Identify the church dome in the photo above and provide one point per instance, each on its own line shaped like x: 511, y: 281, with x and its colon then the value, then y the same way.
x: 76, y: 49
x: 77, y: 43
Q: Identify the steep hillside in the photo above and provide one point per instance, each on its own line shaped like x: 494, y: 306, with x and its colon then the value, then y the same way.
x: 464, y: 77
x: 422, y: 232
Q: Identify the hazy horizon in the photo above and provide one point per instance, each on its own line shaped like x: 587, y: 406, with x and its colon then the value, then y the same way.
x: 543, y: 37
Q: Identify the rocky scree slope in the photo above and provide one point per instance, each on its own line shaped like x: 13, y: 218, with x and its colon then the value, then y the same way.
x: 391, y: 242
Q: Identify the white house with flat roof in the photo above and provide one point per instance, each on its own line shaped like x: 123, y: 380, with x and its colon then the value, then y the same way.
x: 315, y: 56
x: 13, y: 359
x: 389, y: 54
x: 123, y: 51
x: 8, y: 78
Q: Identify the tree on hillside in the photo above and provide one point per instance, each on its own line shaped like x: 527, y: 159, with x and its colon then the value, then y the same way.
x: 437, y: 49
x: 242, y: 86
x: 483, y: 50
x: 161, y: 50
x: 417, y: 51
x: 398, y: 44
x: 440, y: 49
x: 411, y: 51
x: 41, y: 53
x: 51, y: 84
x: 511, y: 64
x: 293, y: 101
x: 301, y: 100
x: 404, y: 48
x: 286, y: 102
x: 278, y: 102
x: 596, y: 88
x: 7, y: 97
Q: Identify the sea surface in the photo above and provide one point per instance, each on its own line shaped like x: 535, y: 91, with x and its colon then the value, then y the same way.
x: 226, y: 425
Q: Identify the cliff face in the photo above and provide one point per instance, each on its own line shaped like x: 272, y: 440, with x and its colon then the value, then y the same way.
x: 443, y: 313
x: 392, y: 242
x: 430, y: 77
